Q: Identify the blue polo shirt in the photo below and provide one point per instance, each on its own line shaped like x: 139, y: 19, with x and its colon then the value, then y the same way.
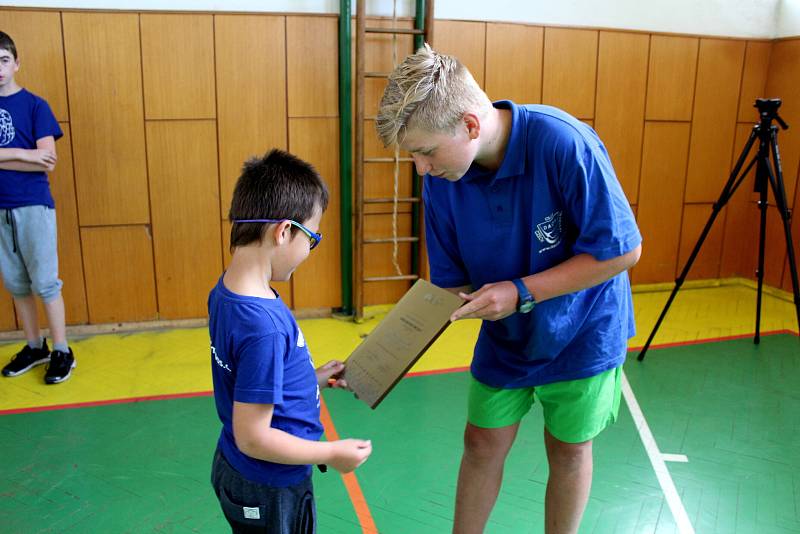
x: 259, y: 355
x: 554, y: 196
x: 24, y: 119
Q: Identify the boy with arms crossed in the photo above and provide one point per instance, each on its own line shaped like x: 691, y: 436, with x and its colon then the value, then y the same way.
x: 524, y: 219
x: 265, y: 386
x: 28, y: 243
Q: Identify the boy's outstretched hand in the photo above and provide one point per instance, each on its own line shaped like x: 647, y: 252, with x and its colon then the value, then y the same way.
x: 330, y: 375
x: 349, y: 454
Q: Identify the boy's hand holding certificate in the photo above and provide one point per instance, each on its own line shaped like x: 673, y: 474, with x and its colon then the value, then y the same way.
x: 373, y: 369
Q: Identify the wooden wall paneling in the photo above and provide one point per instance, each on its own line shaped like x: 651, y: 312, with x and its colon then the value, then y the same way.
x: 754, y: 78
x: 787, y: 278
x: 706, y: 265
x: 621, y: 89
x: 378, y: 258
x: 719, y: 71
x: 661, y: 199
x: 783, y: 82
x: 774, y: 247
x: 671, y: 76
x: 283, y: 288
x: 318, y: 280
x: 251, y: 92
x: 464, y: 40
x: 226, y: 243
x: 178, y: 66
x: 8, y: 318
x: 740, y: 239
x: 570, y: 70
x: 312, y: 53
x: 184, y: 195
x: 514, y: 62
x: 37, y: 35
x: 70, y: 262
x: 105, y: 88
x: 120, y: 285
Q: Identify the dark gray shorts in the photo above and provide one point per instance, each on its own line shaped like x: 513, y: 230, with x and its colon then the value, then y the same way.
x: 251, y: 507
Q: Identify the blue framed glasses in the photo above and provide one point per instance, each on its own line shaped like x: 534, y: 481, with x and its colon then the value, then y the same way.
x: 313, y: 237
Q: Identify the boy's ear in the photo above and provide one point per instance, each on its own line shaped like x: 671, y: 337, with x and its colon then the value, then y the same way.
x: 282, y: 233
x: 473, y: 125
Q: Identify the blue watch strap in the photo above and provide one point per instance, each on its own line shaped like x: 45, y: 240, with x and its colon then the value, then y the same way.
x: 526, y: 301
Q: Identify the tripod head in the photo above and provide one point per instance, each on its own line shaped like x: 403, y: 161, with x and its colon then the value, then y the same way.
x: 768, y: 110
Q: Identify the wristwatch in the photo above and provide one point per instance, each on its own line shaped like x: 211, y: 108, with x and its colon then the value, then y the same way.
x: 526, y: 302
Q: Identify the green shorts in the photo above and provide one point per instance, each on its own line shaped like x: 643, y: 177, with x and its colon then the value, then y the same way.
x: 574, y: 410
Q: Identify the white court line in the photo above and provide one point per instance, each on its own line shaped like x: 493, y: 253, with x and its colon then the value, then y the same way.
x: 674, y: 457
x: 657, y: 460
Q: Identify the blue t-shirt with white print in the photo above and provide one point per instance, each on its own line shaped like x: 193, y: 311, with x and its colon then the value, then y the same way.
x: 24, y: 119
x: 259, y: 355
x: 554, y: 196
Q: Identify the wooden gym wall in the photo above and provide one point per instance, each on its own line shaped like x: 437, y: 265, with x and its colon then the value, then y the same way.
x: 160, y: 110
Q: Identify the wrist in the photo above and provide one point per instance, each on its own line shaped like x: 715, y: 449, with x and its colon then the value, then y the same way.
x: 328, y: 452
x: 525, y: 301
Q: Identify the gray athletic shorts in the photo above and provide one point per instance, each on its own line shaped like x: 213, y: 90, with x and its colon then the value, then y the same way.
x: 29, y: 252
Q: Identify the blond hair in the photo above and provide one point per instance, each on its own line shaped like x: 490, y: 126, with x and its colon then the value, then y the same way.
x: 430, y: 91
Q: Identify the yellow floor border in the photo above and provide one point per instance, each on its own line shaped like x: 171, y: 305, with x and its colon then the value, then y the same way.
x: 175, y: 362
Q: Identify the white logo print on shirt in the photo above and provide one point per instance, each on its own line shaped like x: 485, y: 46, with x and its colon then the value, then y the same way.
x: 7, y: 131
x: 549, y: 231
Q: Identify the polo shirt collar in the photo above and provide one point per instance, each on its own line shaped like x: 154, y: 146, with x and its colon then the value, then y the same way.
x: 514, y: 158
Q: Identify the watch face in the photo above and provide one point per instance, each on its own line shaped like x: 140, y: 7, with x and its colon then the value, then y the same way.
x: 527, y: 306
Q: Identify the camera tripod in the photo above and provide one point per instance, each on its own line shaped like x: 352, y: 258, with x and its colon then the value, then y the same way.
x: 766, y: 176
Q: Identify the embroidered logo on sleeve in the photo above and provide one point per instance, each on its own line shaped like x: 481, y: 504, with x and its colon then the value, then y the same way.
x: 7, y: 131
x: 548, y: 231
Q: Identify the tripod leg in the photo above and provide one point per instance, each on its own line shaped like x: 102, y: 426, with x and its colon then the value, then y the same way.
x: 727, y: 191
x: 778, y: 189
x: 762, y: 206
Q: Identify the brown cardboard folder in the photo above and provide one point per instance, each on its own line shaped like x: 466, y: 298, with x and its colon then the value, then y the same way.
x: 392, y: 348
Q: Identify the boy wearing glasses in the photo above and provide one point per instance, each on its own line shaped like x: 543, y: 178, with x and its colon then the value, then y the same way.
x: 266, y: 388
x: 526, y: 221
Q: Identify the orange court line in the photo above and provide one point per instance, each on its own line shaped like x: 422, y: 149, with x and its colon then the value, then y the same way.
x: 350, y: 480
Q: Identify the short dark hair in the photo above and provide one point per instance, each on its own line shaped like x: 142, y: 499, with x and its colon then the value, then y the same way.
x: 277, y: 185
x: 7, y: 43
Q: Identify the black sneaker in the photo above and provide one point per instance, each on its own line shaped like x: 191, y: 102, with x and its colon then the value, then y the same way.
x: 27, y: 359
x: 61, y: 366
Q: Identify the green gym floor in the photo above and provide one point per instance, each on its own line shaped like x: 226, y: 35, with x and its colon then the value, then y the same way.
x: 708, y: 438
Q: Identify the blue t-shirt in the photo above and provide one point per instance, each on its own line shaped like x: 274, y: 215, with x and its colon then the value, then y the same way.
x: 259, y: 355
x: 24, y: 119
x: 554, y: 196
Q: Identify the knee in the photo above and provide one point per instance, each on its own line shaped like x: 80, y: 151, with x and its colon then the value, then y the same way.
x: 570, y: 456
x: 48, y: 290
x: 486, y: 444
x: 18, y: 288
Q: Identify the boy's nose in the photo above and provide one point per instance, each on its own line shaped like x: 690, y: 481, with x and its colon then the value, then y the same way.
x: 422, y: 165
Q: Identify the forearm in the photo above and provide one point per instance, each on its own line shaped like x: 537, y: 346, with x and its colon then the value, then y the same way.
x: 24, y: 166
x: 273, y: 445
x: 577, y: 273
x: 12, y: 154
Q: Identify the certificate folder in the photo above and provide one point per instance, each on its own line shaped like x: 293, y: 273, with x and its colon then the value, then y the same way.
x: 392, y: 348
